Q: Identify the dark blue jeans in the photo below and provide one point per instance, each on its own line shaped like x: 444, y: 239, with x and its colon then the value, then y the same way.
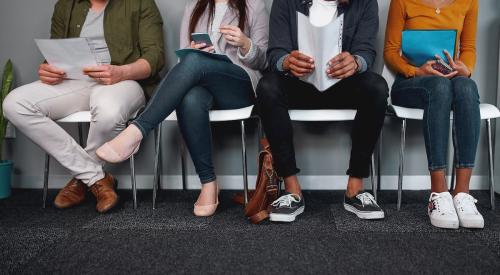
x: 193, y: 87
x: 438, y: 96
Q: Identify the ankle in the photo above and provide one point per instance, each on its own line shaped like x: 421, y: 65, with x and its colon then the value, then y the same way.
x: 354, y: 187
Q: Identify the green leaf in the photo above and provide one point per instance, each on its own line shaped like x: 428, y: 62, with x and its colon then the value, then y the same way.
x: 7, y: 82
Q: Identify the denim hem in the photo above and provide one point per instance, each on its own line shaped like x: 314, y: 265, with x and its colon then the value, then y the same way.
x: 205, y: 181
x: 464, y: 165
x: 435, y: 168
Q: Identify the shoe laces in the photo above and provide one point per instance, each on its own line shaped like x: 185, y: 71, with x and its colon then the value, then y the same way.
x: 467, y: 204
x: 442, y: 204
x: 366, y: 199
x: 285, y: 200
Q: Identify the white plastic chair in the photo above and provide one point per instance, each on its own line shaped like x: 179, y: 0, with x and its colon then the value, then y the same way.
x: 488, y: 112
x: 331, y: 115
x: 241, y: 115
x: 79, y: 118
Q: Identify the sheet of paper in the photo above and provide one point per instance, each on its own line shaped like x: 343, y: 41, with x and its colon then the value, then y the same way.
x: 181, y: 53
x: 70, y: 55
x: 322, y: 44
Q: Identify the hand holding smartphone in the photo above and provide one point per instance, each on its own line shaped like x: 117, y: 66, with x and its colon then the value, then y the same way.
x: 442, y: 67
x: 201, y: 38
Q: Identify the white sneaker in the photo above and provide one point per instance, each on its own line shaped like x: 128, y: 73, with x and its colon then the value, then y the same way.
x: 442, y: 211
x: 468, y: 215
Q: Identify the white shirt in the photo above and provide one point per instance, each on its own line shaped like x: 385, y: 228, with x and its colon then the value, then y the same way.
x: 322, y: 12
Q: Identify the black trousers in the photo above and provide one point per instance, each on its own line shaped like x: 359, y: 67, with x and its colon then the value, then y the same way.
x: 366, y: 92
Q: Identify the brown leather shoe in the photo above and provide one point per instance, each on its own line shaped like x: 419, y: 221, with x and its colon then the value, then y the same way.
x: 104, y: 191
x: 72, y: 194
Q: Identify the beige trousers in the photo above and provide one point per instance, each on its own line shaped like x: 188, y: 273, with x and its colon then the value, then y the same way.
x: 35, y: 107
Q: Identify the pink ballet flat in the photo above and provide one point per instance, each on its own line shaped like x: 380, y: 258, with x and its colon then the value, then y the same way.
x: 206, y: 210
x: 108, y: 154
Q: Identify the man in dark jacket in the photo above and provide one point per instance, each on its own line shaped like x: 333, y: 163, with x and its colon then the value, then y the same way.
x: 127, y: 39
x: 358, y: 88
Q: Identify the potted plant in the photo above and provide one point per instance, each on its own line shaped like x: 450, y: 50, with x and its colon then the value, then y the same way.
x: 5, y: 165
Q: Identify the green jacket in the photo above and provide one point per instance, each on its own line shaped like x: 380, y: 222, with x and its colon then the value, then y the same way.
x: 133, y: 29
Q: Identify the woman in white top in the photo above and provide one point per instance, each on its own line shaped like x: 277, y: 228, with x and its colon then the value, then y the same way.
x: 199, y: 83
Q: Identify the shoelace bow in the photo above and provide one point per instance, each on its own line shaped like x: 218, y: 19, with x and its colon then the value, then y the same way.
x: 284, y: 201
x: 366, y: 199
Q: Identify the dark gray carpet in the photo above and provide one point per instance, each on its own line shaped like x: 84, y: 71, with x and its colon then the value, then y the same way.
x: 170, y: 240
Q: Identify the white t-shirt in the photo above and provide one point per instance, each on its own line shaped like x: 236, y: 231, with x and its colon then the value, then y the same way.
x: 322, y: 12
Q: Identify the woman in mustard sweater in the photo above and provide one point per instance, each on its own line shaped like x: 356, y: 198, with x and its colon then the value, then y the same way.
x: 424, y: 87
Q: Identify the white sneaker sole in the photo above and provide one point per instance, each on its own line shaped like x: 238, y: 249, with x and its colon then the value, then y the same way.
x: 472, y: 224
x: 445, y: 224
x: 284, y: 217
x: 365, y: 215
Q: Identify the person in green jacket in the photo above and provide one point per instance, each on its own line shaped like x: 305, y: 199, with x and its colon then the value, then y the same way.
x: 127, y: 39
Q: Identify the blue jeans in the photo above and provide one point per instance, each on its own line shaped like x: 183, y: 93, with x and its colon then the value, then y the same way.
x: 193, y: 87
x: 438, y: 96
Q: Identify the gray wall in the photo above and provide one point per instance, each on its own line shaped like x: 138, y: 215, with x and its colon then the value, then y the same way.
x: 322, y: 148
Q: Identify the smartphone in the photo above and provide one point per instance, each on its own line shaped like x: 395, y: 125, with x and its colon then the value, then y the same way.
x: 199, y: 37
x: 442, y: 67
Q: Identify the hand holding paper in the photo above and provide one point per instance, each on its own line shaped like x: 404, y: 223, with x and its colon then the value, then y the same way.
x: 105, y: 74
x: 321, y: 44
x: 298, y: 64
x: 50, y: 75
x: 342, y: 66
x: 69, y: 55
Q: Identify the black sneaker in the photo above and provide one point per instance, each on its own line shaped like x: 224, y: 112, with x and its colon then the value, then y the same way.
x: 364, y: 206
x: 286, y: 208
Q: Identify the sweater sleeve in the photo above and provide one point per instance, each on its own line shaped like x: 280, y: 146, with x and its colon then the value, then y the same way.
x: 468, y: 37
x: 280, y: 36
x: 393, y: 37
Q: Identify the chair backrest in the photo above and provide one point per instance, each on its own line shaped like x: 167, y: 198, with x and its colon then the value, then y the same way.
x: 389, y: 76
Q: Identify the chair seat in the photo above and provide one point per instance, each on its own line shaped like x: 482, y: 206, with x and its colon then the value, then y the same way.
x: 223, y: 115
x: 488, y: 111
x: 322, y: 115
x: 83, y: 116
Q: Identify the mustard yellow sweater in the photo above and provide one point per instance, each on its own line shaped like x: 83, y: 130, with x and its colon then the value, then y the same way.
x: 460, y: 15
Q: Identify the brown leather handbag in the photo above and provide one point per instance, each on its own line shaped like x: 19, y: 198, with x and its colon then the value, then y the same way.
x: 266, y: 188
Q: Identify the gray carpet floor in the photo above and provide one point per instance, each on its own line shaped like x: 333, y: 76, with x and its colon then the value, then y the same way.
x: 170, y: 240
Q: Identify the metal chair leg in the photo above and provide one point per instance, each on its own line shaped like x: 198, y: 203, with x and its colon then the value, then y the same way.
x: 244, y: 159
x: 372, y: 176
x: 80, y: 133
x: 453, y: 174
x: 401, y: 163
x: 133, y: 179
x: 156, y: 164
x: 46, y: 179
x: 379, y: 161
x: 183, y: 165
x: 490, y: 163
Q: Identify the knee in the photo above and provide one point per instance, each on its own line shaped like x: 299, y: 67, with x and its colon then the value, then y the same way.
x: 15, y: 105
x: 465, y: 89
x: 268, y: 90
x: 108, y: 116
x: 194, y: 102
x: 376, y: 89
x: 439, y: 90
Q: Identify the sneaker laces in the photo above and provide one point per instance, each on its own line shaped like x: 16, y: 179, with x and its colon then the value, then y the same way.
x: 285, y: 200
x: 366, y: 199
x: 467, y: 204
x: 442, y: 205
